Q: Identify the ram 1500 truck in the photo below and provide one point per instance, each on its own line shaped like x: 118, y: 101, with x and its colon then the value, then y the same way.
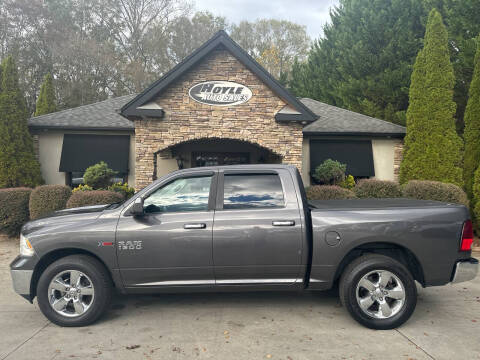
x: 246, y: 227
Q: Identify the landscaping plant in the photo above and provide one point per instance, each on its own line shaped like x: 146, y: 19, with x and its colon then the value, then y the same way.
x: 472, y: 129
x: 98, y: 176
x: 14, y: 210
x: 373, y: 188
x: 124, y: 189
x: 18, y: 163
x: 46, y: 98
x: 435, y: 190
x: 46, y: 199
x: 330, y: 172
x: 433, y: 150
x: 328, y: 192
x: 94, y: 197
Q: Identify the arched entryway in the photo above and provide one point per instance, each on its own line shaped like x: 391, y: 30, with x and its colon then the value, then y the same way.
x: 211, y: 152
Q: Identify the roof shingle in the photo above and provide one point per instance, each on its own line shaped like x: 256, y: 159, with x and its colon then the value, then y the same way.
x: 102, y: 115
x: 335, y: 120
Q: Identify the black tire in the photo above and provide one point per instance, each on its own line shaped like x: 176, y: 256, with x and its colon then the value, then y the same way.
x: 101, y: 282
x: 362, y: 266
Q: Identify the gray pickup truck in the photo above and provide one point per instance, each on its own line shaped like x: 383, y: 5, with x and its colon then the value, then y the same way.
x: 246, y: 227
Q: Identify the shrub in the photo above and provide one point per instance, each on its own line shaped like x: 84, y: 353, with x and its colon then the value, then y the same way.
x: 372, y: 188
x: 82, y: 187
x: 98, y: 176
x: 476, y: 196
x: 46, y: 199
x: 14, y: 209
x: 330, y: 172
x: 435, y: 190
x: 123, y: 189
x: 348, y: 182
x: 95, y: 197
x: 328, y: 192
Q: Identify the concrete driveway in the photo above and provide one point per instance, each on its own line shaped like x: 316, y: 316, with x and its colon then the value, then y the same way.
x: 280, y: 325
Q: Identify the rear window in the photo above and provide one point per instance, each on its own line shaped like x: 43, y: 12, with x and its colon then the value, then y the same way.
x: 252, y: 191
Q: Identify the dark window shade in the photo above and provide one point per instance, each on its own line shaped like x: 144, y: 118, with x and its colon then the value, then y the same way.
x: 357, y: 155
x: 81, y: 151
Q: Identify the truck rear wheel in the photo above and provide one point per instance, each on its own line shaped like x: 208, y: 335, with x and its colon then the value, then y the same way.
x: 74, y: 291
x: 378, y: 291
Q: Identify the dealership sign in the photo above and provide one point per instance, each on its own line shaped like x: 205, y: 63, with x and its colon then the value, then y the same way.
x: 220, y: 93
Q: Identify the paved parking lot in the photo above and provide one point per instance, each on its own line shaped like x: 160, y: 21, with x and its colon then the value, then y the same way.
x: 280, y: 325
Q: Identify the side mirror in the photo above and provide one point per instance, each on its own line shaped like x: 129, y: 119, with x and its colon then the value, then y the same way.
x: 137, y: 207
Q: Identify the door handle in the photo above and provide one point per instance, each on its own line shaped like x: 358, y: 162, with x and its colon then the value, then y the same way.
x: 195, y: 226
x: 283, y: 223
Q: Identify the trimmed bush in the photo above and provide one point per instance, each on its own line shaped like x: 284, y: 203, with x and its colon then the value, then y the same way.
x: 98, y: 176
x: 330, y: 172
x: 476, y: 197
x: 328, y: 192
x: 435, y: 190
x: 95, y: 197
x: 46, y: 199
x: 14, y: 209
x: 348, y: 182
x: 124, y: 189
x: 372, y: 188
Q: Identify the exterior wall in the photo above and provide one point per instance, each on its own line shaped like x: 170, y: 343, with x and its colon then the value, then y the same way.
x: 383, y: 158
x: 386, y: 157
x: 186, y: 119
x: 50, y: 151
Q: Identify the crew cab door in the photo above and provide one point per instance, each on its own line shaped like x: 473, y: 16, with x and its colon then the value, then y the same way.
x: 171, y: 245
x: 257, y: 234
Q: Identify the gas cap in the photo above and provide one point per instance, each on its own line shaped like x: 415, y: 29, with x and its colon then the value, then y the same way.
x: 332, y: 238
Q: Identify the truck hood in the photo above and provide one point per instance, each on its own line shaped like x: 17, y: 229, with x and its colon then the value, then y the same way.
x: 62, y: 218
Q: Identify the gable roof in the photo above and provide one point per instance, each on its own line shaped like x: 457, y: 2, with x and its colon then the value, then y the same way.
x: 219, y: 39
x: 102, y: 115
x: 333, y: 120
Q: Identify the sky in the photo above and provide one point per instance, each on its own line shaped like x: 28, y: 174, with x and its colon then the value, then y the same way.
x: 311, y: 13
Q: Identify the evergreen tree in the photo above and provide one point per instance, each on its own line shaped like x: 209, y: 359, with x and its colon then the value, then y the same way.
x: 18, y: 165
x: 432, y: 146
x: 46, y: 102
x: 363, y: 62
x: 472, y: 127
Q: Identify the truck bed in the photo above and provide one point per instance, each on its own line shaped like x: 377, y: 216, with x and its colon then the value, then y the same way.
x: 358, y: 204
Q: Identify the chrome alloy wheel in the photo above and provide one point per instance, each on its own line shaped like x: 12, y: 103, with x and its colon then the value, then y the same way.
x: 380, y: 294
x: 71, y: 293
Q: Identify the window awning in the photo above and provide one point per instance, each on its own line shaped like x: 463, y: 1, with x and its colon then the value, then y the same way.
x: 81, y: 151
x: 357, y: 155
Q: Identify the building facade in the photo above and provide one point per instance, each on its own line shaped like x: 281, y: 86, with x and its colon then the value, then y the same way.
x: 218, y: 106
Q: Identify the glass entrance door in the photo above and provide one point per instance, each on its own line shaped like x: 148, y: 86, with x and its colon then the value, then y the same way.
x: 200, y: 159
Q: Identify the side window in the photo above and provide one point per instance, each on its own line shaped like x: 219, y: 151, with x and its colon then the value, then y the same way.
x: 185, y: 194
x: 252, y: 191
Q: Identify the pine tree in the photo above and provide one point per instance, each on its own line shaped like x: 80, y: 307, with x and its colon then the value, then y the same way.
x: 432, y: 146
x: 18, y: 165
x: 46, y: 102
x: 472, y: 127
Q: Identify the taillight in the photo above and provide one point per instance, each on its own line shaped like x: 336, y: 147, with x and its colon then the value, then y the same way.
x: 467, y: 236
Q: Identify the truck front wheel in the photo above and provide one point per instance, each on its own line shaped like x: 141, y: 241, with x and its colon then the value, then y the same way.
x: 74, y: 290
x: 378, y: 291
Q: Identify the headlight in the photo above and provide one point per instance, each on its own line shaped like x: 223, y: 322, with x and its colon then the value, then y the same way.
x: 26, y: 248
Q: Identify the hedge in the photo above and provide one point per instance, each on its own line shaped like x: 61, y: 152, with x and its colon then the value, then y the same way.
x: 328, y: 192
x: 13, y: 210
x: 372, y: 188
x: 95, y: 197
x: 435, y: 190
x: 46, y: 199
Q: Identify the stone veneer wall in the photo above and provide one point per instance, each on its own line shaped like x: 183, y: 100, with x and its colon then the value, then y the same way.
x: 186, y: 119
x: 397, y: 159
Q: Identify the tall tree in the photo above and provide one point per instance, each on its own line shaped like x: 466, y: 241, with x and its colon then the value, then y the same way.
x: 432, y: 146
x: 18, y: 164
x: 472, y: 127
x: 46, y: 102
x: 274, y: 43
x: 364, y: 60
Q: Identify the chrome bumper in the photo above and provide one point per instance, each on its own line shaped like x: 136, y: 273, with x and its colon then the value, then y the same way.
x: 465, y: 270
x: 21, y: 281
